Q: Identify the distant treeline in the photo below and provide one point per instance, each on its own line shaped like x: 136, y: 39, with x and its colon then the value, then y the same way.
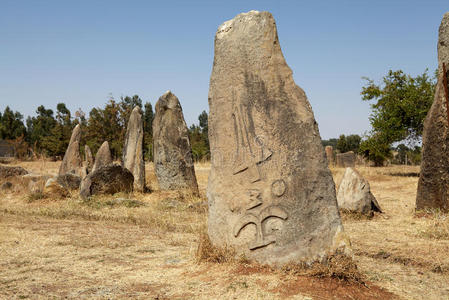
x: 400, y: 154
x: 48, y: 133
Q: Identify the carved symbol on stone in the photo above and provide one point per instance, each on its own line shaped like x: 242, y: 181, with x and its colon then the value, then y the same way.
x: 262, y: 239
x: 278, y: 187
x: 250, y: 150
x: 254, y: 198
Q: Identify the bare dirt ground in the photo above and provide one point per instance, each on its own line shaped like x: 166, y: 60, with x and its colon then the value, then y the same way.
x: 143, y: 246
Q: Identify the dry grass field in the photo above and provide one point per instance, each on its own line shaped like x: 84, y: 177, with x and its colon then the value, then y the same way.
x: 143, y: 246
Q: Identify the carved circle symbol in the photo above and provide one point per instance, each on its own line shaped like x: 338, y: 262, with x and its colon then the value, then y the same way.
x: 278, y: 187
x: 260, y: 140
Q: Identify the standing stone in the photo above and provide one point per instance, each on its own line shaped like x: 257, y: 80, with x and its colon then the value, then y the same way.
x: 271, y: 194
x: 433, y: 184
x: 173, y: 158
x: 89, y: 159
x: 103, y: 157
x: 346, y: 160
x: 330, y: 155
x: 133, y: 150
x: 354, y: 194
x: 72, y: 159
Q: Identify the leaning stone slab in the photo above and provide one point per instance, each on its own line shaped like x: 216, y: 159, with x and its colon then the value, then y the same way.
x: 354, y: 194
x: 433, y: 184
x: 71, y: 162
x: 133, y: 149
x: 346, y: 160
x: 271, y: 194
x: 103, y: 156
x: 108, y: 179
x: 173, y: 160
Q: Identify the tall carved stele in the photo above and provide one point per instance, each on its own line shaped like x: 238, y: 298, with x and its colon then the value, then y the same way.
x: 433, y: 184
x: 270, y: 192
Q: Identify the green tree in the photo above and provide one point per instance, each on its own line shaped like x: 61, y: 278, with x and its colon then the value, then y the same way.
x: 199, y: 138
x: 39, y: 128
x: 348, y: 143
x: 376, y: 149
x: 330, y: 142
x: 11, y: 125
x: 56, y: 143
x: 400, y: 106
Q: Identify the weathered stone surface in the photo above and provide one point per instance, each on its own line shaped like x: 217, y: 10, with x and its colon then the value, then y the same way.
x: 330, y: 155
x: 133, y: 149
x: 7, y: 171
x: 108, y: 179
x: 72, y: 159
x: 346, y: 160
x: 69, y: 181
x: 433, y: 184
x: 6, y: 186
x: 54, y: 188
x: 31, y: 178
x: 103, y: 157
x: 270, y: 192
x: 172, y: 153
x: 354, y: 194
x: 88, y: 159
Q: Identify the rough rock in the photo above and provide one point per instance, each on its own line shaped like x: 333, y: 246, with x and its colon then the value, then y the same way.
x: 7, y: 171
x: 6, y: 186
x: 54, y: 188
x: 329, y: 154
x: 133, y: 149
x: 172, y: 153
x: 271, y: 194
x: 69, y: 181
x: 32, y: 178
x: 354, y: 194
x: 103, y: 157
x: 433, y: 184
x: 88, y: 159
x: 346, y: 160
x: 71, y: 162
x: 108, y: 179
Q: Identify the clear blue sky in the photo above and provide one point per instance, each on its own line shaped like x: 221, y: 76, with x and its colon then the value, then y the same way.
x: 80, y: 52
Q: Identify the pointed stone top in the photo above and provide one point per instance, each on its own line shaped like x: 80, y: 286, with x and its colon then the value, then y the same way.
x: 104, y: 145
x: 136, y: 109
x: 103, y: 156
x: 76, y: 134
x: 168, y: 101
x: 443, y: 42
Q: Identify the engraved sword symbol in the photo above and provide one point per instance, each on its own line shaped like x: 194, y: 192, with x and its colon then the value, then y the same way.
x: 248, y: 155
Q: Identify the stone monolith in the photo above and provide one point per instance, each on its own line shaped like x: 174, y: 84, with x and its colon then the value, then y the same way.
x: 354, y: 194
x: 433, y: 184
x: 133, y: 149
x: 270, y: 192
x: 72, y: 160
x: 103, y: 156
x: 88, y: 159
x: 330, y: 155
x: 346, y: 160
x: 172, y: 153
